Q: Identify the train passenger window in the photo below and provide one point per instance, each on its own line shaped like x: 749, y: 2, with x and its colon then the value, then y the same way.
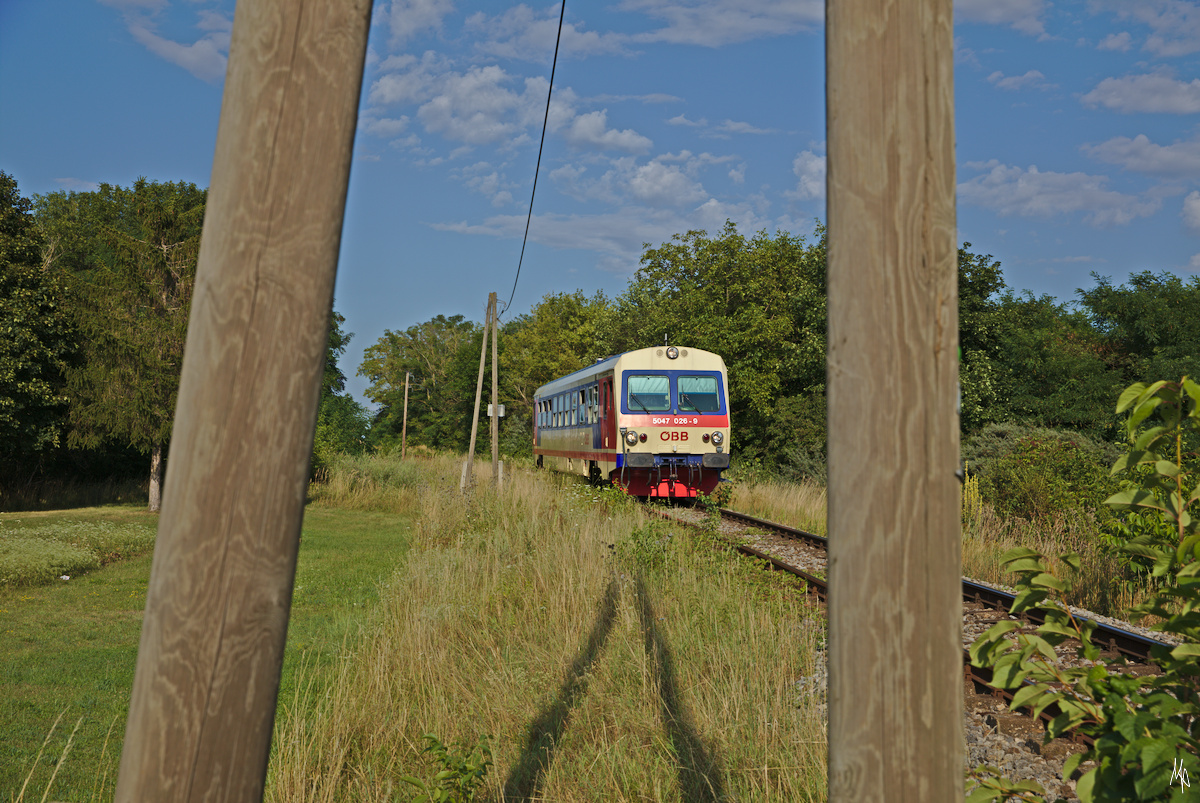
x: 650, y: 394
x: 699, y: 394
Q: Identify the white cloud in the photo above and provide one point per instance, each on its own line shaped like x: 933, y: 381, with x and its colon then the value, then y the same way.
x: 738, y: 127
x: 964, y: 54
x: 1155, y: 92
x: 204, y: 58
x: 1011, y: 190
x: 1177, y: 160
x: 667, y: 180
x: 484, y: 179
x: 413, y: 86
x: 478, y: 107
x: 1032, y: 79
x: 616, y: 236
x: 1191, y: 211
x: 653, y: 97
x: 1022, y: 15
x: 1174, y: 24
x: 682, y: 120
x: 383, y: 126
x: 472, y: 107
x: 712, y: 23
x: 591, y: 131
x: 521, y: 33
x: 738, y: 174
x: 1116, y: 41
x: 658, y: 184
x: 810, y: 174
x: 407, y: 18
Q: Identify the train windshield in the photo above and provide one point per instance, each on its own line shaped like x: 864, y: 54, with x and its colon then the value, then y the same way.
x: 651, y: 394
x: 698, y: 394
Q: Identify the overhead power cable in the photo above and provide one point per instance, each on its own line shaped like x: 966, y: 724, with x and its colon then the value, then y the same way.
x: 545, y: 120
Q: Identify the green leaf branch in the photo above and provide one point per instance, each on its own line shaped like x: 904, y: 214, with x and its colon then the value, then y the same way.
x: 1145, y: 728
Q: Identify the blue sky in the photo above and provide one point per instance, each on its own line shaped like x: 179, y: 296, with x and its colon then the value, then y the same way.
x: 1077, y: 141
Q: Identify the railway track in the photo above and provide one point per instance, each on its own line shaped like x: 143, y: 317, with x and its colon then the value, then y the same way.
x: 802, y: 554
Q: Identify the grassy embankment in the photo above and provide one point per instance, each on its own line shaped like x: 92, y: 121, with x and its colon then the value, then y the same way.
x: 68, y: 647
x: 622, y: 672
x: 608, y: 658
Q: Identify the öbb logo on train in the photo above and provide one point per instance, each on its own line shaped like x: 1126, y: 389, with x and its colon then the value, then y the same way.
x: 673, y: 436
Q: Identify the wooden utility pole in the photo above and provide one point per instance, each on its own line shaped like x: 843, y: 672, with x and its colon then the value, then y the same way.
x: 203, y: 700
x: 404, y: 426
x: 495, y: 394
x: 468, y: 463
x: 895, y: 655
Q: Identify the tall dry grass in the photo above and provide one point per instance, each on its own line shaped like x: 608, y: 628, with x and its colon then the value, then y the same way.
x: 378, y: 482
x: 800, y: 505
x: 1098, y: 585
x: 525, y: 615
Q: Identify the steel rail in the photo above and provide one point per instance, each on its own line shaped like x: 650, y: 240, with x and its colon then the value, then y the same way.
x: 1106, y: 636
x: 1123, y: 642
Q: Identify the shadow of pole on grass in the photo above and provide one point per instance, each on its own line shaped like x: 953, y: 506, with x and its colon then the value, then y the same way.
x: 699, y: 771
x: 525, y: 779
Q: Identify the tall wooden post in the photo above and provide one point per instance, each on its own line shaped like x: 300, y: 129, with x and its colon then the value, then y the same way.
x: 203, y: 699
x: 404, y: 426
x: 895, y: 655
x: 495, y: 394
x: 468, y: 463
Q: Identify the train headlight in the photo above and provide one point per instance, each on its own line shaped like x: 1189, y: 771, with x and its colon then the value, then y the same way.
x: 672, y: 353
x: 718, y: 438
x: 631, y: 438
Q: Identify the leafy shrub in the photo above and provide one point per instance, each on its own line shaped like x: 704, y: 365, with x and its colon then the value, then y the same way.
x: 461, y: 775
x: 1146, y: 727
x: 1037, y: 474
x: 996, y: 440
x: 648, y: 547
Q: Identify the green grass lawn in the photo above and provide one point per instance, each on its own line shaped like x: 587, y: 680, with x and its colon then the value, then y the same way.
x: 69, y: 647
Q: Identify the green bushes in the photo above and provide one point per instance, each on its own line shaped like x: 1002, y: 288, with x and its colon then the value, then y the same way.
x: 1034, y: 473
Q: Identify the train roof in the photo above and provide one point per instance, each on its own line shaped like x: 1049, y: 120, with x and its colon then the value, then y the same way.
x: 608, y: 364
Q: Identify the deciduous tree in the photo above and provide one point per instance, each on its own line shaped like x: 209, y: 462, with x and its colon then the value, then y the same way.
x: 132, y: 254
x: 428, y: 350
x: 36, y: 337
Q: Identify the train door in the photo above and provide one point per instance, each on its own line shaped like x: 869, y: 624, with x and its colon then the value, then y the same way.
x: 608, y: 421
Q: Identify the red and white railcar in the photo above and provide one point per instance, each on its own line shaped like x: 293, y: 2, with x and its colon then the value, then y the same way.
x: 654, y: 422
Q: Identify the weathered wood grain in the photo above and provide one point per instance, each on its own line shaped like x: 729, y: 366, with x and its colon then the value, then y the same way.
x: 895, y: 707
x: 216, y: 617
